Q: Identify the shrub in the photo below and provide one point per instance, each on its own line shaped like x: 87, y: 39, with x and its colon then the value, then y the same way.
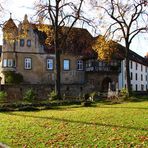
x: 13, y: 78
x: 28, y: 108
x: 53, y: 95
x: 3, y: 95
x: 5, y: 109
x: 92, y: 95
x: 29, y: 95
x: 124, y: 93
x: 86, y: 96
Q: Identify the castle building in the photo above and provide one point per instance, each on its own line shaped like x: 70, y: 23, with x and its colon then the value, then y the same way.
x: 26, y: 51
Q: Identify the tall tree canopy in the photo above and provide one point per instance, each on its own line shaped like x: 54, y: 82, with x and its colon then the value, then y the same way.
x: 127, y: 18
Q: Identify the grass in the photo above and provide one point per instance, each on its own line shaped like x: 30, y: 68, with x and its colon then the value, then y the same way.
x: 102, y: 125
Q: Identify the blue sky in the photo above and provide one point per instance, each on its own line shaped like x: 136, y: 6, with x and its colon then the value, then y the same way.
x: 19, y: 8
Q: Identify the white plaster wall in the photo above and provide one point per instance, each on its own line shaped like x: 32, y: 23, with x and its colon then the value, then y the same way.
x: 134, y: 82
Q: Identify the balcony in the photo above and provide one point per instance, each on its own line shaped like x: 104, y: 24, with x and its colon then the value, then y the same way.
x: 97, y: 66
x: 103, y: 69
x: 6, y: 69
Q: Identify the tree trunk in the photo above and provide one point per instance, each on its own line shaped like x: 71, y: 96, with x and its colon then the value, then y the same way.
x: 58, y: 78
x: 128, y: 80
x: 57, y: 55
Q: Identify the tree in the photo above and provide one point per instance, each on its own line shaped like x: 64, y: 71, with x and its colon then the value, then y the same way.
x: 60, y: 14
x: 128, y: 19
x: 105, y: 48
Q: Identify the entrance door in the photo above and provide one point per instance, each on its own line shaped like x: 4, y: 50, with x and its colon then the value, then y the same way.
x: 105, y: 83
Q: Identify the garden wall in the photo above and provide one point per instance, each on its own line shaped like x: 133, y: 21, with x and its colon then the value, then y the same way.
x: 16, y: 92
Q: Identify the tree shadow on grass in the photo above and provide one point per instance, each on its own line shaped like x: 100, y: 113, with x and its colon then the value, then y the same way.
x: 116, y: 107
x: 79, y: 122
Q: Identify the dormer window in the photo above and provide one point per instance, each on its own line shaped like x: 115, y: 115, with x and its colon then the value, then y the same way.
x: 29, y: 43
x: 22, y: 42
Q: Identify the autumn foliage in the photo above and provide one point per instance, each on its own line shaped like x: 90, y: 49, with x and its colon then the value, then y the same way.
x: 104, y: 48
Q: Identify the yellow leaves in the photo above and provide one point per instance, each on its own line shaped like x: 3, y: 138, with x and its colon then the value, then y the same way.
x: 43, y: 27
x: 104, y: 48
x: 115, y: 138
x: 61, y: 137
x: 48, y: 30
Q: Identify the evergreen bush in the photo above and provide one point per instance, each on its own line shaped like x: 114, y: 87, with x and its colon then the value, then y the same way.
x: 53, y: 95
x: 12, y: 77
x: 3, y: 96
x: 29, y: 95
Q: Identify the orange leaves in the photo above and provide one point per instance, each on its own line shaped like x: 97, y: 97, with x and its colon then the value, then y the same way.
x: 48, y: 30
x: 104, y: 48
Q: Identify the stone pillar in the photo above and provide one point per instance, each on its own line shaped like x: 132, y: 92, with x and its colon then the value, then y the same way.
x: 109, y: 90
x: 117, y: 88
x: 109, y: 87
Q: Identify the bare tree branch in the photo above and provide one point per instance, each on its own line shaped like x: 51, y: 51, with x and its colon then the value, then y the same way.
x: 130, y: 18
x: 61, y: 13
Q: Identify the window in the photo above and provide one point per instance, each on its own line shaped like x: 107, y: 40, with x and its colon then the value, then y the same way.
x: 66, y: 64
x: 22, y: 42
x: 5, y: 63
x: 136, y: 87
x: 131, y: 75
x: 50, y: 64
x: 10, y: 63
x: 27, y: 63
x: 141, y: 68
x: 142, y: 87
x: 29, y: 43
x: 146, y: 78
x: 80, y: 65
x: 131, y: 64
x: 136, y: 66
x: 145, y: 69
x: 136, y: 76
x: 141, y: 77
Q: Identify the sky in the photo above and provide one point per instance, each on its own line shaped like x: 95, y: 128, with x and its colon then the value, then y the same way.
x: 19, y: 8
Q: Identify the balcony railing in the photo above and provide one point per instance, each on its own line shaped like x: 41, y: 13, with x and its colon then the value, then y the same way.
x: 103, y: 68
x: 4, y: 69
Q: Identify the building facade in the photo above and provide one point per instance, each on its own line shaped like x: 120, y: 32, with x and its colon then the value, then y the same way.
x: 138, y: 73
x: 25, y: 52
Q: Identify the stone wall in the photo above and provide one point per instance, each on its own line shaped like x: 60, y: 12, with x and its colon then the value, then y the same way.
x: 16, y: 92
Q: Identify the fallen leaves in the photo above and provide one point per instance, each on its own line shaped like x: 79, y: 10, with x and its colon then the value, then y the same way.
x: 143, y: 138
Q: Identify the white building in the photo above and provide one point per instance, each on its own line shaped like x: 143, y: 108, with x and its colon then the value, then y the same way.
x: 138, y: 73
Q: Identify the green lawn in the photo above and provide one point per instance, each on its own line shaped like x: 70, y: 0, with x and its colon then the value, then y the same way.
x: 120, y: 125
